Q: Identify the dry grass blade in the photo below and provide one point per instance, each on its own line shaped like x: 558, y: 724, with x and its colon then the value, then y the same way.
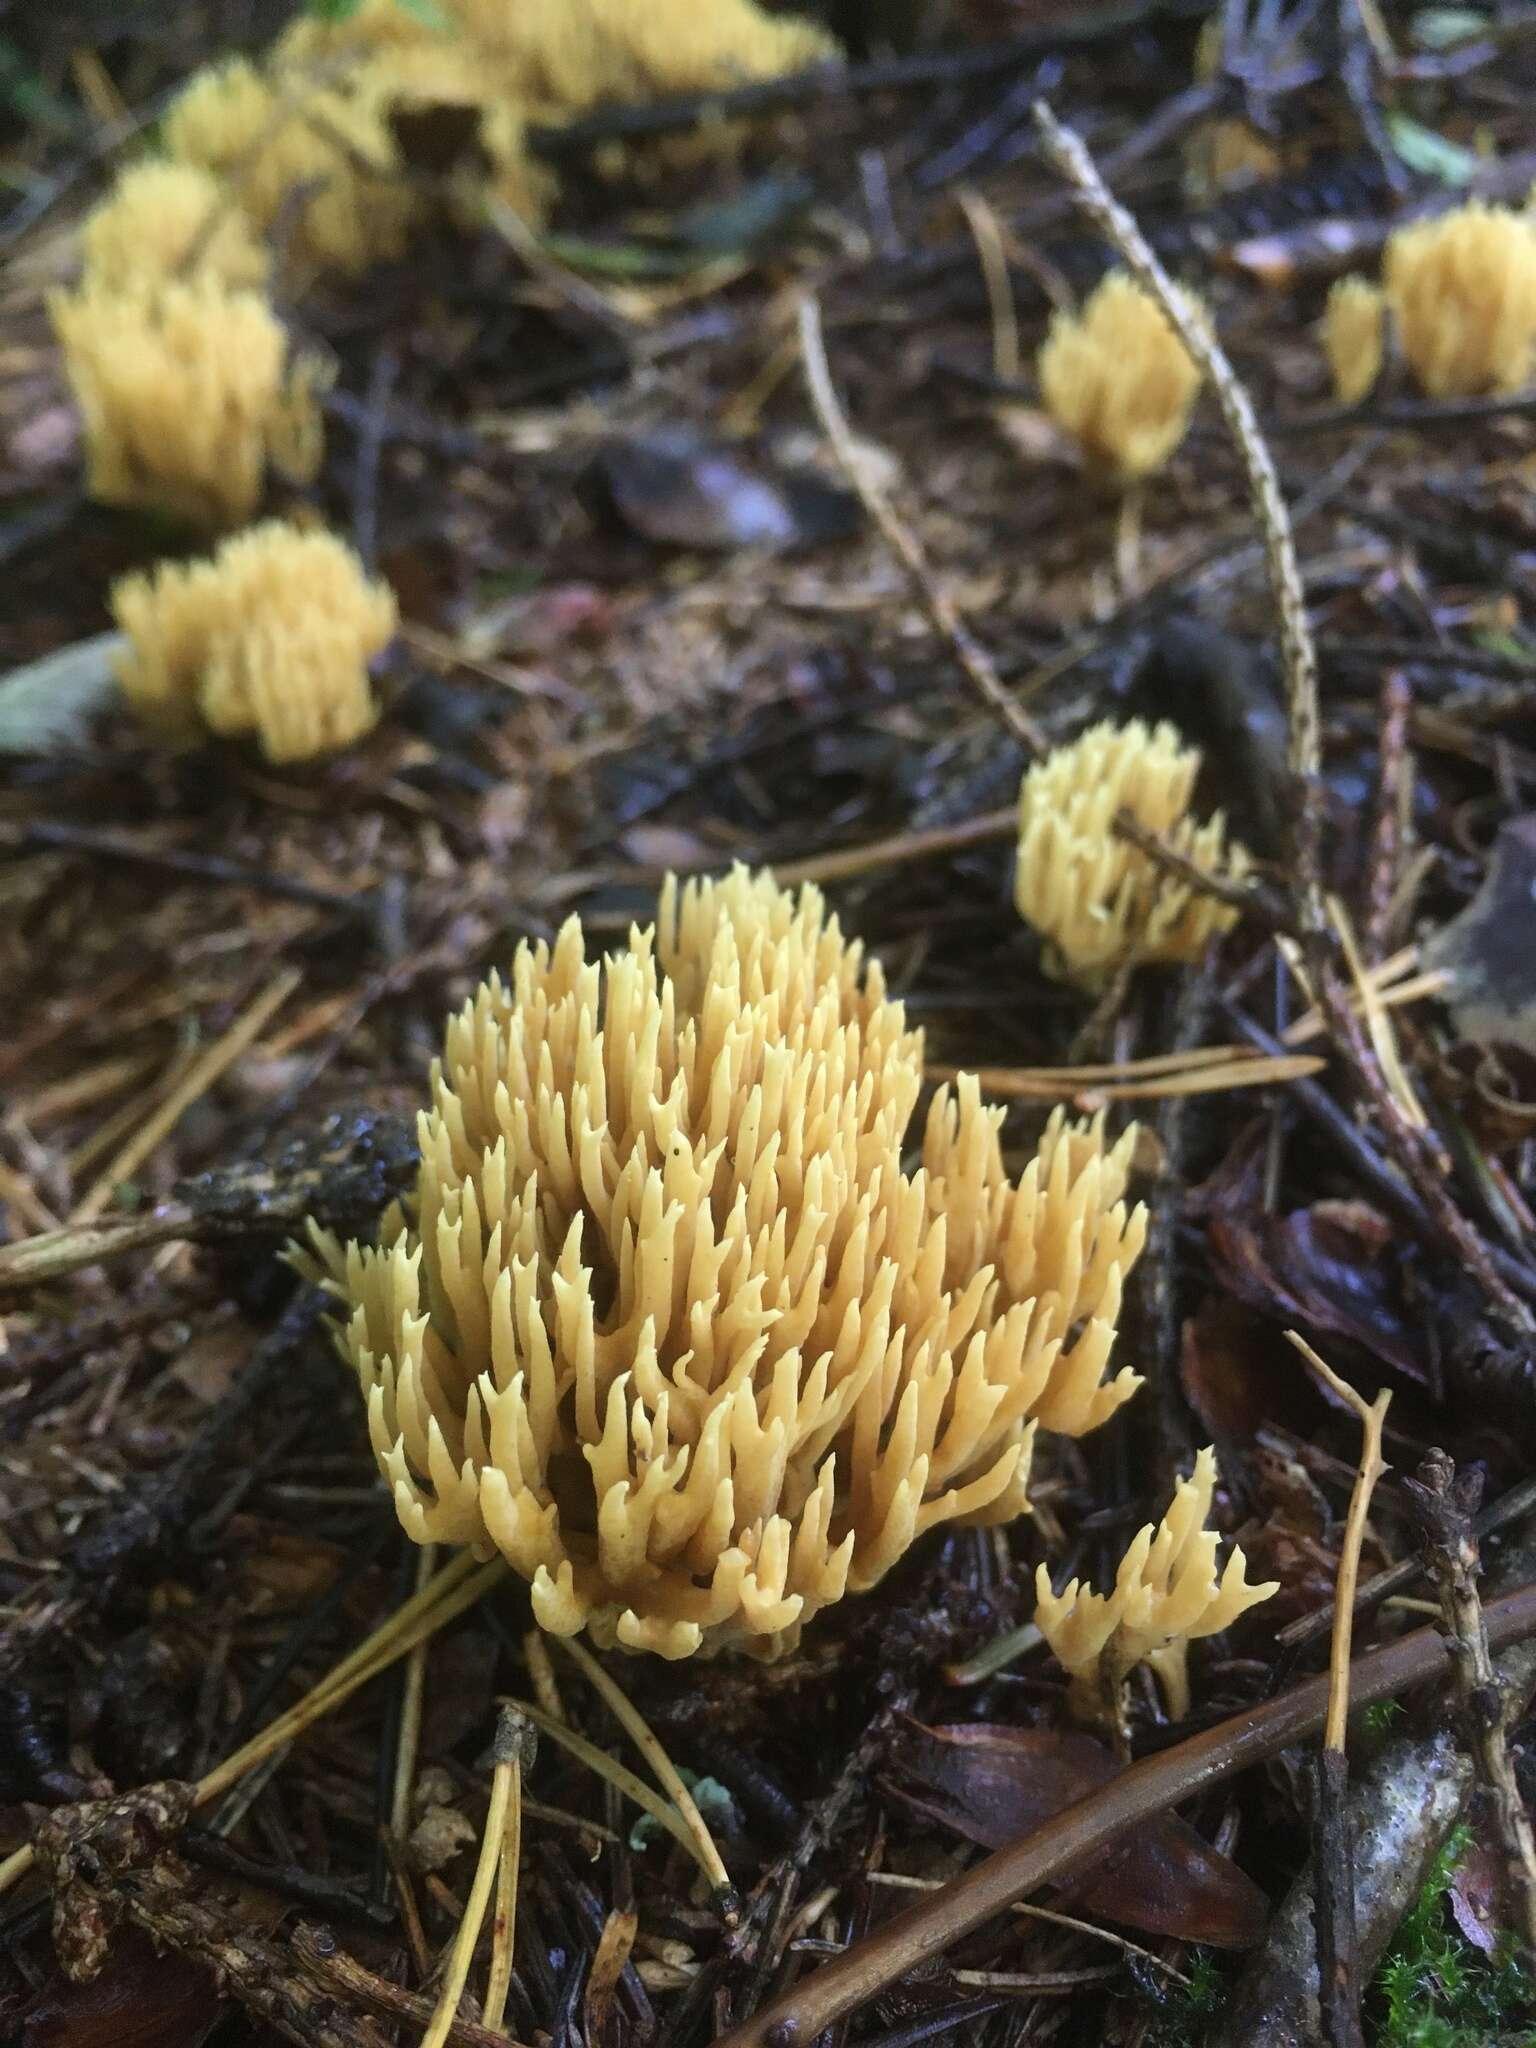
x: 493, y: 1844
x: 634, y: 1724
x: 1230, y: 1068
x: 194, y: 1084
x: 634, y: 1789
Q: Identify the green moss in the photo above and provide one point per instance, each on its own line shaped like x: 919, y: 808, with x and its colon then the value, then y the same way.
x: 1188, y: 2010
x: 1436, y: 1990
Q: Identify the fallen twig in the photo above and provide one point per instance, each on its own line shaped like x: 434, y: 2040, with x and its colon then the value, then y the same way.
x: 1444, y: 1502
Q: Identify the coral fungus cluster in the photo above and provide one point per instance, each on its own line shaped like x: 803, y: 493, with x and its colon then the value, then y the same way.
x: 270, y: 637
x: 305, y: 141
x: 1166, y: 1594
x: 313, y: 125
x: 1119, y: 380
x: 1099, y: 901
x: 1354, y: 337
x: 668, y: 1324
x: 1460, y: 289
x: 188, y: 393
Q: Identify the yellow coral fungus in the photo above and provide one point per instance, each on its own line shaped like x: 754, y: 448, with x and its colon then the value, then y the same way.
x: 187, y: 394
x: 567, y: 55
x: 1119, y: 380
x: 164, y: 221
x: 667, y: 1323
x: 1354, y: 336
x: 323, y: 151
x: 311, y: 131
x: 1462, y: 289
x: 271, y: 636
x: 1099, y: 902
x: 1166, y: 1594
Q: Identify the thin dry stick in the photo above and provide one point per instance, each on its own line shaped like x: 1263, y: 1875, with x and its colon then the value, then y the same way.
x: 504, y: 1920
x: 635, y: 1726
x: 968, y: 651
x: 509, y: 1736
x: 1338, y: 1955
x: 410, y: 1710
x: 1028, y: 1912
x: 899, y: 848
x: 1371, y: 1468
x: 197, y: 1080
x: 1298, y: 655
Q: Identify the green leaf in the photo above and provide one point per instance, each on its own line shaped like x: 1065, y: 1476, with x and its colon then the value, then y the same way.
x: 44, y: 706
x: 1442, y: 28
x: 1426, y: 151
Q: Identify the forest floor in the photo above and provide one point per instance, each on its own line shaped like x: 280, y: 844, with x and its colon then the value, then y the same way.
x: 224, y: 981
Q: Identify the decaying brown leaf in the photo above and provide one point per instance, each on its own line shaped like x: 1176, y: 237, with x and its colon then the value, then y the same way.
x: 993, y: 1783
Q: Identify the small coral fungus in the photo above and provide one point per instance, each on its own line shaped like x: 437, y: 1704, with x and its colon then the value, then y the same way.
x: 1354, y: 336
x: 322, y: 150
x: 271, y: 637
x: 1462, y: 289
x: 1166, y: 1594
x: 187, y: 394
x: 1100, y: 902
x: 164, y: 221
x: 668, y: 1324
x: 573, y: 56
x: 1119, y: 380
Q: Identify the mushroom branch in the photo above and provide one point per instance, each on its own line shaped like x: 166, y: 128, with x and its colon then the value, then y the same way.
x: 925, y: 1930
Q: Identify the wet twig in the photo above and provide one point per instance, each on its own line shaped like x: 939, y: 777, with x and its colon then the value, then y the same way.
x: 1444, y: 1502
x: 1394, y: 787
x: 1249, y: 899
x: 1298, y: 655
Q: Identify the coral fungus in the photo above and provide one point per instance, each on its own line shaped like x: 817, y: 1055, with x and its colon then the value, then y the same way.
x: 1166, y: 1593
x: 270, y: 636
x: 164, y: 221
x: 569, y: 57
x: 323, y: 149
x: 1354, y: 336
x: 1119, y: 380
x: 668, y: 1325
x: 1100, y: 902
x: 187, y: 394
x: 312, y: 129
x: 1462, y: 289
